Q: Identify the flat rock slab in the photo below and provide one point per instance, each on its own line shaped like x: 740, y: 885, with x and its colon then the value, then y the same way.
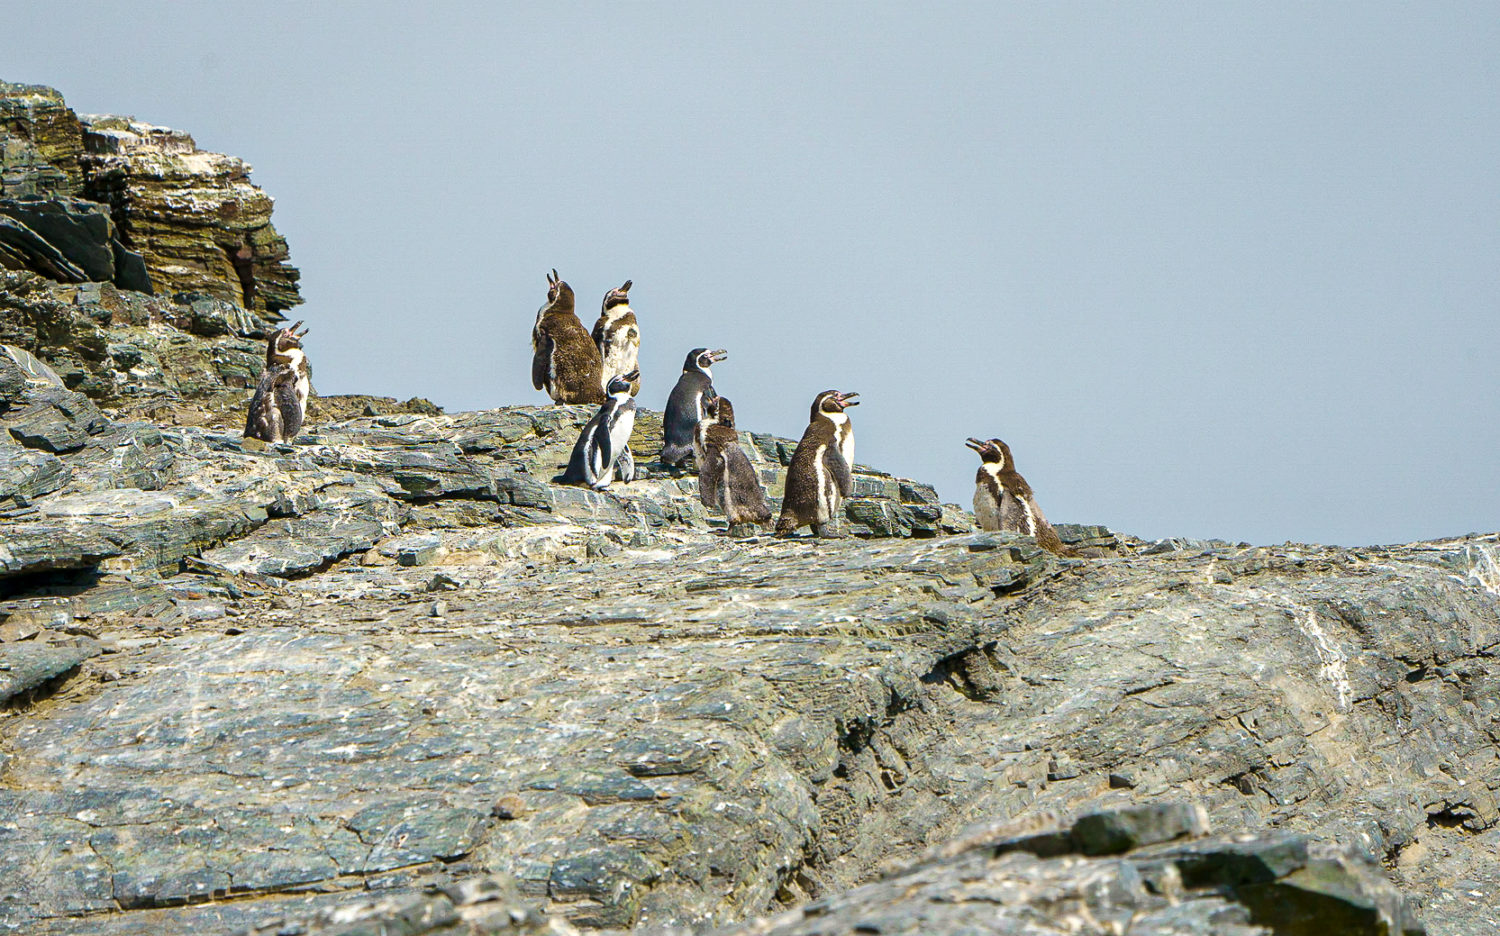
x: 28, y: 664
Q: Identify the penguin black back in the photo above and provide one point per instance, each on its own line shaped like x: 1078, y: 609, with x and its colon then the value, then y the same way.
x: 685, y: 405
x: 564, y: 359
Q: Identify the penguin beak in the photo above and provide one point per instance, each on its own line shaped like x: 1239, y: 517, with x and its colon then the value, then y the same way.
x: 718, y: 356
x: 634, y: 375
x: 976, y: 445
x: 847, y: 399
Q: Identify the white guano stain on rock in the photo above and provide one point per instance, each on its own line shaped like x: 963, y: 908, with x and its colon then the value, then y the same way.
x: 1484, y: 569
x: 1333, y: 659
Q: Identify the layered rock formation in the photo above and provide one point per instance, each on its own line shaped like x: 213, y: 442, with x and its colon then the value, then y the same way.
x: 156, y: 213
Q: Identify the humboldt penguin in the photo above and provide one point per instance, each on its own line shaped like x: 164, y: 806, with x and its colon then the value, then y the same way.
x: 618, y: 337
x: 726, y: 479
x: 564, y: 360
x: 604, y: 444
x: 821, y: 474
x: 1003, y: 500
x: 685, y: 405
x: 279, y: 405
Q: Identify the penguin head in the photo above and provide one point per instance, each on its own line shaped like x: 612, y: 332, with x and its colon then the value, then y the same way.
x: 833, y: 403
x: 559, y: 294
x: 702, y: 360
x: 994, y: 452
x: 617, y: 296
x: 285, y: 346
x: 620, y: 383
x: 724, y: 411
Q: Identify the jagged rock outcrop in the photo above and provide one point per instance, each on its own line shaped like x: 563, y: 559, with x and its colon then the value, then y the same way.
x: 194, y: 217
x: 144, y: 272
x: 155, y: 212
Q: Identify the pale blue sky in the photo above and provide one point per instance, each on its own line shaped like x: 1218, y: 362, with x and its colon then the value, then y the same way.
x: 1211, y: 269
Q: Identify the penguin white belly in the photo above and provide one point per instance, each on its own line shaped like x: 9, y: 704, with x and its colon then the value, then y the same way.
x: 828, y: 488
x: 846, y: 447
x: 621, y: 354
x: 986, y: 508
x: 619, y: 438
x: 303, y: 390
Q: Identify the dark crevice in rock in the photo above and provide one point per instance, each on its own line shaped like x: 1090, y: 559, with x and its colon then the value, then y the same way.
x: 1455, y: 817
x: 48, y: 584
x: 974, y: 673
x: 41, y: 692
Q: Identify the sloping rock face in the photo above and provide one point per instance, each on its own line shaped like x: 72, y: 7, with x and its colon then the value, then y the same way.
x: 392, y: 678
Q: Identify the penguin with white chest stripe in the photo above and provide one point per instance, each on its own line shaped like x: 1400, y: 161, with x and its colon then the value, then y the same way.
x: 821, y: 474
x: 1004, y: 502
x: 618, y: 336
x: 279, y: 406
x: 685, y: 405
x: 603, y: 447
x: 726, y: 479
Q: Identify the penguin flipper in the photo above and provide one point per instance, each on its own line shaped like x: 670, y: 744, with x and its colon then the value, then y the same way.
x: 833, y: 459
x: 287, y: 404
x: 604, y: 455
x: 541, y: 357
x: 263, y: 422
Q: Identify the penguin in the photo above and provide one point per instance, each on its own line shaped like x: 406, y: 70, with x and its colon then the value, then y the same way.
x: 564, y: 361
x: 604, y: 444
x: 726, y: 479
x: 821, y: 473
x: 1003, y: 500
x: 685, y: 405
x: 279, y: 406
x: 618, y: 337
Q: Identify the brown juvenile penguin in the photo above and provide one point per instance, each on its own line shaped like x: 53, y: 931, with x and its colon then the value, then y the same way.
x: 726, y: 479
x: 618, y: 337
x: 1003, y: 500
x: 279, y: 406
x: 821, y: 473
x: 564, y: 360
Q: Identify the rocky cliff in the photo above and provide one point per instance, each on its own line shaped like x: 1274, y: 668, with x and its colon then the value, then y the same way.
x: 392, y: 678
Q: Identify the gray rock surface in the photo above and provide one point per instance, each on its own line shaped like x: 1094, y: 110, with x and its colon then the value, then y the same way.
x: 394, y: 656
